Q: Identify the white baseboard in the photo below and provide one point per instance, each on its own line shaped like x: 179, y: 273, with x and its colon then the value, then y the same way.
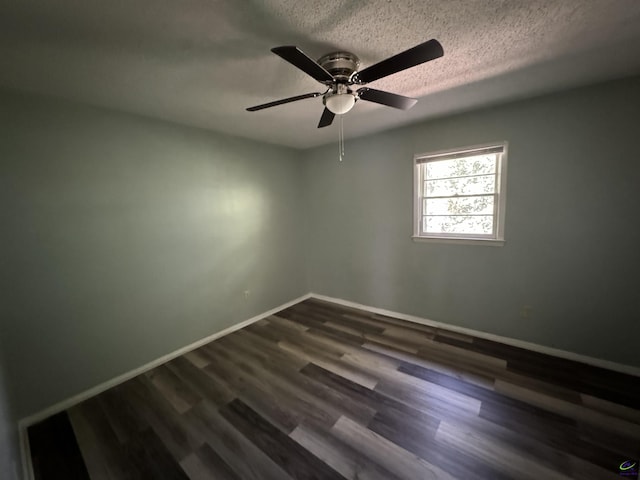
x: 556, y: 352
x: 26, y: 422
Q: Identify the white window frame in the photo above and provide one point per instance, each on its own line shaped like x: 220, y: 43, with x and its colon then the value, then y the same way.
x: 499, y: 212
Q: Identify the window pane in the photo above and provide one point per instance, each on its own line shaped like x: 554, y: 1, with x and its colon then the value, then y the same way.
x: 477, y: 165
x: 481, y: 224
x: 460, y: 186
x: 459, y: 206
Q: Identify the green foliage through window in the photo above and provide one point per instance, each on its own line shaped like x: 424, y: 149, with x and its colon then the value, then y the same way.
x: 459, y: 194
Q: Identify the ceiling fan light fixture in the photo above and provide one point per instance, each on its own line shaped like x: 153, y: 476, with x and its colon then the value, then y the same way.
x: 338, y: 71
x: 340, y: 103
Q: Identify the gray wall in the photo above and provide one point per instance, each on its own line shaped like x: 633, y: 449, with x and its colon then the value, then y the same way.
x: 572, y: 231
x: 126, y: 238
x: 9, y: 457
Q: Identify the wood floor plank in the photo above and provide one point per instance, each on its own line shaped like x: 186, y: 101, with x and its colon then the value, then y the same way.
x: 308, y: 320
x: 374, y: 320
x: 331, y: 307
x: 160, y: 415
x: 352, y: 331
x: 340, y: 333
x: 55, y: 450
x: 418, y: 437
x: 585, y: 470
x: 205, y: 464
x: 243, y: 457
x: 266, y: 353
x: 416, y: 390
x: 451, y: 360
x: 481, y: 394
x: 499, y: 454
x: 373, y: 399
x: 387, y: 321
x: 252, y: 390
x: 121, y: 416
x: 105, y: 457
x: 394, y: 458
x: 603, y: 446
x: 413, y: 434
x: 316, y: 339
x: 262, y: 322
x: 290, y: 455
x: 359, y: 324
x: 440, y: 333
x: 611, y: 408
x: 391, y: 342
x: 548, y: 428
x: 197, y: 358
x: 339, y: 455
x: 303, y: 390
x: 371, y: 361
x: 320, y: 390
x: 569, y: 409
x: 553, y: 390
x: 316, y: 357
x: 291, y: 395
x: 175, y: 391
x: 407, y: 386
x: 546, y: 455
x: 95, y: 458
x: 151, y: 457
x: 274, y: 332
x: 414, y: 338
x: 286, y: 323
x: 335, y: 346
x: 595, y: 381
x: 455, y: 371
x: 461, y: 352
x: 199, y: 382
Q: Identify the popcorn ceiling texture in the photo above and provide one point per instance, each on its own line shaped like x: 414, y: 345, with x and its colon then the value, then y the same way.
x: 201, y: 62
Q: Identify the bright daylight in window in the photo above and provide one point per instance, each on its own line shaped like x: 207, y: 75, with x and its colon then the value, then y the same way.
x: 460, y: 195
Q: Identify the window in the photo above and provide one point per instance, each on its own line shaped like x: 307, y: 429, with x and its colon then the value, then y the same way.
x: 460, y: 195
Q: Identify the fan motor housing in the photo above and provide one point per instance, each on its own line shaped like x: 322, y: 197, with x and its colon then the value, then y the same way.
x: 342, y: 65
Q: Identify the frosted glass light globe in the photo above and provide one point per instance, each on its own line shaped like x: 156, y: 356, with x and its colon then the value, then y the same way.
x: 340, y: 103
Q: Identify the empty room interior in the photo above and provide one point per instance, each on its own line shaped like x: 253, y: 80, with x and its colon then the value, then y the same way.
x: 313, y: 240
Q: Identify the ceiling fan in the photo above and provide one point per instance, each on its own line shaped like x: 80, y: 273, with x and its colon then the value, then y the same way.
x: 338, y: 71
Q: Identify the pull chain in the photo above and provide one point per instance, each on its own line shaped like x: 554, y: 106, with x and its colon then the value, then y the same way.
x: 341, y: 139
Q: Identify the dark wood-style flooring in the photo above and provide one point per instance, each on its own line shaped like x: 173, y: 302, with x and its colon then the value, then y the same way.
x: 320, y: 391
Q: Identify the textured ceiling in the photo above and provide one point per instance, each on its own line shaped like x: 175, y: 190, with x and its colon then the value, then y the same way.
x: 201, y: 62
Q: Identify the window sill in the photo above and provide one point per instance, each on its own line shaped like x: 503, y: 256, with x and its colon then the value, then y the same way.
x: 460, y: 241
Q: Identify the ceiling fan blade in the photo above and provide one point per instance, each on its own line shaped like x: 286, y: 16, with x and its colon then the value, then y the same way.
x: 422, y: 53
x: 298, y: 58
x: 326, y: 118
x: 386, y: 98
x: 283, y: 101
